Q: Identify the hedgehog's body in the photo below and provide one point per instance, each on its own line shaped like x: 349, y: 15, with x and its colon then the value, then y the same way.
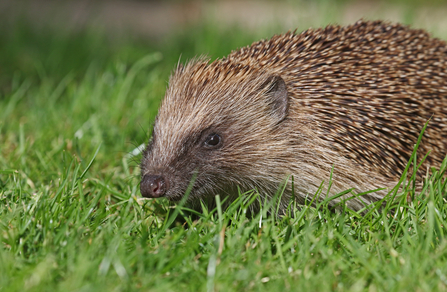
x: 353, y: 97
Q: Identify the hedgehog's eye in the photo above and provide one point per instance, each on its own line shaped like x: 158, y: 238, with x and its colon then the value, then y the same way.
x: 213, y: 140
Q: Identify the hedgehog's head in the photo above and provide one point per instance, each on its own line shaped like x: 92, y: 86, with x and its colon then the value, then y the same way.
x: 219, y: 121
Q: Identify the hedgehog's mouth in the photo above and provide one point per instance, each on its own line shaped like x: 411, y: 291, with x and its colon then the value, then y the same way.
x: 163, y: 183
x: 177, y: 194
x: 198, y: 191
x: 174, y: 196
x: 196, y: 186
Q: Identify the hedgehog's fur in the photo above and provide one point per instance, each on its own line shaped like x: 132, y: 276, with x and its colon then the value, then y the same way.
x: 358, y: 97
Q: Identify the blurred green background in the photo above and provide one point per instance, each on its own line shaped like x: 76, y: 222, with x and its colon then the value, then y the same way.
x: 68, y: 36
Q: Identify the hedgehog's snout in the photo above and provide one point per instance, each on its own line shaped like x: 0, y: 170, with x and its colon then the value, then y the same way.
x: 153, y: 186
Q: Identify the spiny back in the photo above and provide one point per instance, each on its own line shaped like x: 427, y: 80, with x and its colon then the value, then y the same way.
x: 353, y: 97
x: 370, y: 87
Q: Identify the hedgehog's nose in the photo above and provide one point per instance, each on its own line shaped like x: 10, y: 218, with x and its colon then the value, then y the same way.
x: 153, y: 186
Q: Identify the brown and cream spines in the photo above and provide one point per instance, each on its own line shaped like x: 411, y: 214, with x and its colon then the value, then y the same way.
x: 350, y: 97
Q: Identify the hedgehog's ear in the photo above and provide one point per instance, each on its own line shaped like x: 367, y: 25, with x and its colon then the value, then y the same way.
x: 278, y: 97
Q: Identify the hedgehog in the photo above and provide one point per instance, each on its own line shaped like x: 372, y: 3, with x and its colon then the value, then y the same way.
x: 340, y: 102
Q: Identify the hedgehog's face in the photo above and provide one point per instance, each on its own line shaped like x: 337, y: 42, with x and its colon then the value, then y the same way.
x: 210, y: 136
x: 168, y: 168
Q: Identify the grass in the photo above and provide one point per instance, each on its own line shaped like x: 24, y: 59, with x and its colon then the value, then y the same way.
x: 72, y: 109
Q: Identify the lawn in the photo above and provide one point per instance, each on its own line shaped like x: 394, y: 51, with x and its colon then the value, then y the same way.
x: 74, y: 107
